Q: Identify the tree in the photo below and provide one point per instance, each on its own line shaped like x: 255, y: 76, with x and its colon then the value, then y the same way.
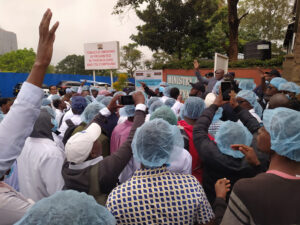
x: 120, y: 84
x: 72, y: 64
x: 267, y: 20
x: 131, y: 58
x: 173, y: 26
x: 20, y: 61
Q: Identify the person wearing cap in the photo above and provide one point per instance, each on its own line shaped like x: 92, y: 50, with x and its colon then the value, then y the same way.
x: 272, y: 197
x: 40, y: 163
x: 94, y: 92
x: 85, y: 170
x: 155, y: 93
x: 52, y: 91
x: 155, y: 195
x: 198, y: 90
x: 210, y: 83
x: 78, y: 105
x: 273, y: 87
x: 219, y: 160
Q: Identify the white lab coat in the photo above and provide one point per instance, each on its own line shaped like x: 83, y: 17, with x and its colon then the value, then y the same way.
x: 39, y: 168
x: 18, y: 124
x: 76, y: 119
x: 181, y: 164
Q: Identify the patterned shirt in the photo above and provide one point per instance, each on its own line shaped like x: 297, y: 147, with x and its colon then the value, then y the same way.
x: 157, y: 196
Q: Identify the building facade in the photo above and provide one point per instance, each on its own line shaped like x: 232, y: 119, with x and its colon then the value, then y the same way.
x: 8, y: 41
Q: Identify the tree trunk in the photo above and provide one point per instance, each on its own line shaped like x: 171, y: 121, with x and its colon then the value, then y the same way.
x: 234, y: 23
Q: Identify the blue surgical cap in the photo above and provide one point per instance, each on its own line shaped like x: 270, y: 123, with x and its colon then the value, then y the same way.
x: 78, y: 104
x: 152, y: 100
x: 67, y: 207
x: 91, y: 111
x: 167, y: 91
x: 119, y: 93
x: 127, y: 111
x: 88, y: 99
x: 153, y: 143
x: 231, y: 133
x: 166, y: 114
x: 105, y: 101
x: 155, y: 106
x: 170, y: 102
x: 85, y: 88
x: 277, y: 81
x: 251, y: 97
x: 74, y: 89
x: 192, y: 108
x: 283, y: 126
x: 218, y: 115
x: 46, y: 102
x: 289, y: 86
x: 92, y: 88
x: 68, y: 90
x: 55, y: 97
x: 49, y: 110
x: 247, y: 85
x: 216, y: 88
x: 100, y: 98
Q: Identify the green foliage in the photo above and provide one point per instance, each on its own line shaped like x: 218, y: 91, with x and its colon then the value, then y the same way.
x: 72, y: 64
x: 131, y: 58
x: 20, y: 61
x: 267, y: 20
x: 50, y: 69
x: 120, y: 84
x: 249, y: 63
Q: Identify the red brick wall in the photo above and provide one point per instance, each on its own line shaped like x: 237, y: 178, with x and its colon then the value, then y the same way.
x: 239, y: 73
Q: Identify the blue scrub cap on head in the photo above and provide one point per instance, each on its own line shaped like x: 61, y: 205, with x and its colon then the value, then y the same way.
x: 289, y: 86
x: 166, y: 114
x: 68, y: 90
x: 216, y: 88
x: 92, y: 88
x: 67, y: 207
x: 127, y: 111
x: 88, y: 99
x: 100, y: 98
x: 283, y: 126
x: 155, y: 105
x: 170, y: 102
x: 85, y: 88
x: 218, y: 115
x: 105, y: 101
x: 78, y: 104
x: 55, y: 97
x: 192, y: 108
x: 247, y: 85
x: 91, y: 111
x: 251, y: 97
x: 46, y: 102
x: 277, y: 81
x: 167, y: 91
x: 74, y: 89
x: 152, y: 100
x: 231, y: 133
x: 49, y: 110
x: 153, y: 143
x: 119, y: 93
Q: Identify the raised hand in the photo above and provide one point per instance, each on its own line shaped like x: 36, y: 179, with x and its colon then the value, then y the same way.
x: 249, y: 153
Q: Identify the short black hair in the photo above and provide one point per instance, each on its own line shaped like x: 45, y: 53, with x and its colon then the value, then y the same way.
x: 56, y: 103
x: 174, y: 92
x: 4, y: 101
x: 52, y: 86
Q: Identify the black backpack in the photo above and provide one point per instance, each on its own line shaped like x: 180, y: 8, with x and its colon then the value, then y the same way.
x: 69, y: 131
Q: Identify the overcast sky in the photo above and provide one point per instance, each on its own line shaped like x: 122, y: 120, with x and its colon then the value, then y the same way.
x: 81, y: 21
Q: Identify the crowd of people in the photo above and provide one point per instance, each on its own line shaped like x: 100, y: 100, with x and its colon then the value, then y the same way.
x: 84, y: 158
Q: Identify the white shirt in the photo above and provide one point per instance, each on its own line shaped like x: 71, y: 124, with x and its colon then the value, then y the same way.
x: 39, y: 168
x: 76, y: 119
x: 13, y: 205
x: 176, y: 107
x: 253, y: 113
x: 59, y: 115
x: 182, y: 164
x: 164, y: 99
x: 18, y: 124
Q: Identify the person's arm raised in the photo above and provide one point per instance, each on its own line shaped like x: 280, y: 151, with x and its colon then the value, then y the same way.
x: 44, y: 50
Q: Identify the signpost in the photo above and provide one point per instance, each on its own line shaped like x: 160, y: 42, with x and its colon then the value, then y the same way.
x: 151, y: 78
x: 102, y: 56
x: 221, y: 62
